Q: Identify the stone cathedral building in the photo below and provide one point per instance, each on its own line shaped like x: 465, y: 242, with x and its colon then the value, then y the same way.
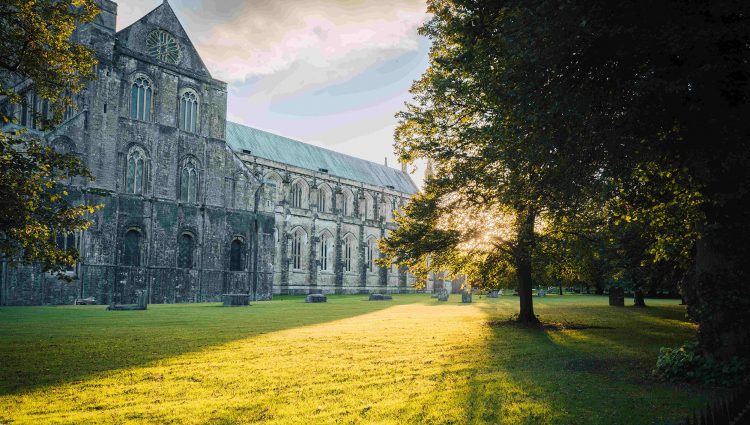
x: 195, y: 206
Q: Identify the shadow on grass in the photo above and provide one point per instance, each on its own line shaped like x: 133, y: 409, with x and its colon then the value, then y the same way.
x: 43, y: 346
x: 584, y: 376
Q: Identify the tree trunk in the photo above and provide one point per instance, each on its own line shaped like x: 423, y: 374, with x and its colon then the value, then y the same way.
x: 559, y: 285
x: 524, y: 246
x: 717, y: 297
x: 638, y: 298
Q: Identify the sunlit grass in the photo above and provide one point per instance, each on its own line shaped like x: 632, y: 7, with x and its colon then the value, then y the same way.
x: 348, y: 361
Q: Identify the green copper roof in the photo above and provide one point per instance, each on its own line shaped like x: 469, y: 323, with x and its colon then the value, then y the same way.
x: 281, y: 149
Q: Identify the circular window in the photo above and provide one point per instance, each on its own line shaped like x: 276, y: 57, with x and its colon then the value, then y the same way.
x: 163, y: 46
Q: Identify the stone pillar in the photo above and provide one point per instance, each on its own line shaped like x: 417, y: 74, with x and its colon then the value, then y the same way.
x: 362, y: 263
x: 284, y: 258
x: 383, y: 270
x: 313, y: 254
x: 338, y: 265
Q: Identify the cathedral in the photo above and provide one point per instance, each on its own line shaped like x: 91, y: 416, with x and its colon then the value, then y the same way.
x: 194, y: 206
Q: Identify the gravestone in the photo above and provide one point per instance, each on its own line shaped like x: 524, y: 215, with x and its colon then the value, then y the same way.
x: 316, y: 298
x: 541, y: 293
x: 85, y: 301
x: 442, y: 295
x: 235, y: 300
x: 466, y: 297
x: 141, y: 303
x: 380, y: 297
x: 494, y: 294
x: 617, y: 297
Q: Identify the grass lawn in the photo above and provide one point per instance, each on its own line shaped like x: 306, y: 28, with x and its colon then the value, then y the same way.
x: 411, y: 360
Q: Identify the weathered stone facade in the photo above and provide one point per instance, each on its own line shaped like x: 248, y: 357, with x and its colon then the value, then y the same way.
x: 192, y: 210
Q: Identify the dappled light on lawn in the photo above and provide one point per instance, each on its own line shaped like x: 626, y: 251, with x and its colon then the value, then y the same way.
x: 412, y: 360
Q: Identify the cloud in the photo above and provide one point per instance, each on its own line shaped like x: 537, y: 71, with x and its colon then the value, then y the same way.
x: 326, y: 40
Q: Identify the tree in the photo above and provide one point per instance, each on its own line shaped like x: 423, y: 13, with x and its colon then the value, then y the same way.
x: 37, y: 55
x: 481, y: 114
x: 540, y: 104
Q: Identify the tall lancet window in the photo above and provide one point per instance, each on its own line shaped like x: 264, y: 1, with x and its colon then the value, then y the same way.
x: 372, y: 254
x: 349, y: 251
x: 141, y: 99
x: 297, y: 246
x: 323, y: 254
x: 189, y: 182
x: 135, y: 172
x: 189, y: 111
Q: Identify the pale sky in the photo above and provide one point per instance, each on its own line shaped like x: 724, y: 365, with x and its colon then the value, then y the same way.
x: 327, y: 72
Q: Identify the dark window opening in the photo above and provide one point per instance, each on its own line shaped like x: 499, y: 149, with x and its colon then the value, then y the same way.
x: 186, y: 247
x: 236, y: 256
x: 131, y: 253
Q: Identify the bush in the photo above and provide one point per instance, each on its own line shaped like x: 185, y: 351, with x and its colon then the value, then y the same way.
x: 687, y: 364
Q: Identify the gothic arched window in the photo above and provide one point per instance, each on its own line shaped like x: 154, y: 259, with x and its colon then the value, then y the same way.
x: 372, y: 253
x: 346, y: 208
x: 297, y: 195
x: 367, y: 207
x: 325, y: 240
x: 141, y: 99
x: 67, y: 242
x: 324, y: 196
x: 189, y: 182
x: 237, y: 255
x: 189, y: 111
x: 349, y: 251
x: 134, y: 175
x: 186, y: 248
x: 297, y: 244
x: 131, y: 249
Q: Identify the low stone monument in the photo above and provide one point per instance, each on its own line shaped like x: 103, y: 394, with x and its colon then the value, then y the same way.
x: 541, y: 293
x: 316, y: 298
x: 141, y: 303
x: 494, y: 294
x: 442, y: 295
x: 235, y: 300
x: 466, y: 297
x: 85, y: 301
x: 617, y: 297
x: 380, y: 297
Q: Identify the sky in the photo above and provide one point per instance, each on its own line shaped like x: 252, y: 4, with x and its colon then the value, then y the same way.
x: 332, y: 73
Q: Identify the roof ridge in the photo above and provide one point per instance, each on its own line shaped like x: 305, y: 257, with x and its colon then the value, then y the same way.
x: 285, y: 150
x: 318, y: 147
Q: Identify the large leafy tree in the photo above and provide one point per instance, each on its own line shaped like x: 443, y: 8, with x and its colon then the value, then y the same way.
x: 542, y: 104
x: 37, y: 53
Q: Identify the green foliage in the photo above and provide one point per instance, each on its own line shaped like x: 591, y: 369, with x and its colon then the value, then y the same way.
x: 687, y: 364
x: 37, y: 53
x: 36, y: 46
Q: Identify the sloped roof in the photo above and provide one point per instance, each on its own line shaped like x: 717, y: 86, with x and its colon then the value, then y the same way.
x: 281, y: 149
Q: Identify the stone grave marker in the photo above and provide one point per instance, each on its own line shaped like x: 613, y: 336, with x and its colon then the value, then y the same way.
x: 316, y: 298
x: 617, y: 297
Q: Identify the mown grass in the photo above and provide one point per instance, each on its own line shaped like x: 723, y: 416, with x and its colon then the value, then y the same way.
x: 412, y: 360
